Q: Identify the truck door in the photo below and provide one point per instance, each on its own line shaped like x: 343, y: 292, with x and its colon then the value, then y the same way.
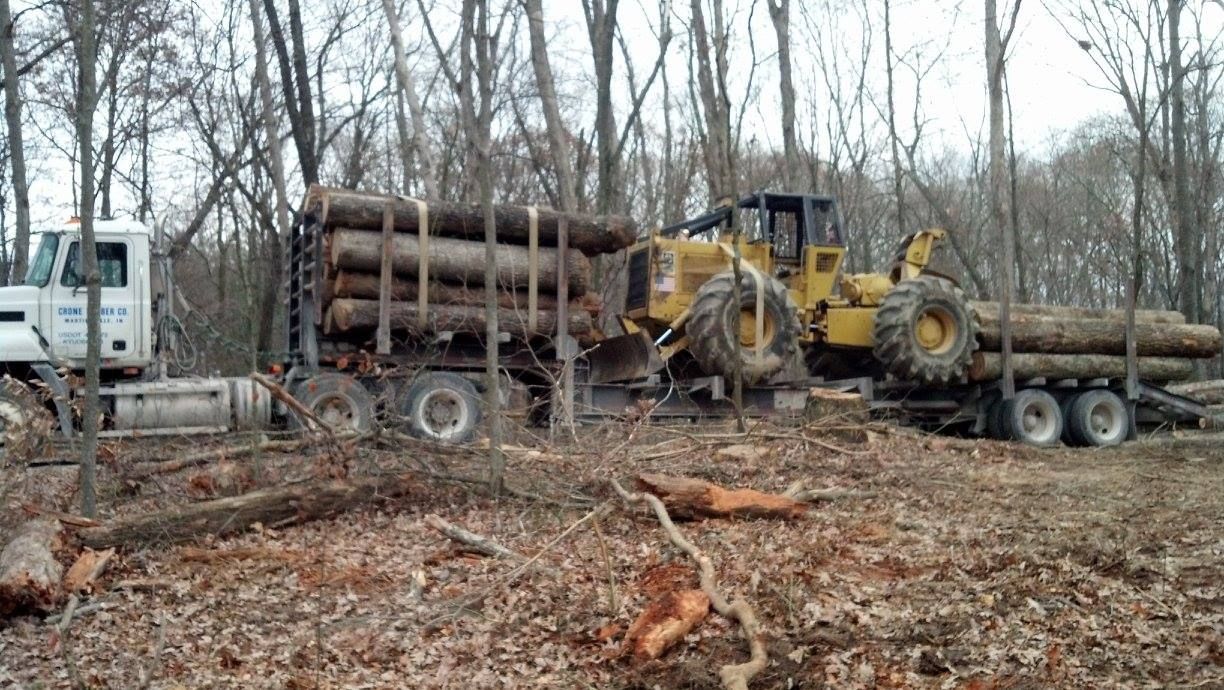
x: 119, y: 308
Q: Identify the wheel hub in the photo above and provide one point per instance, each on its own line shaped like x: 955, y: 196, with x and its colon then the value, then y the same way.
x: 336, y: 412
x: 936, y: 330
x: 442, y: 412
x: 748, y: 326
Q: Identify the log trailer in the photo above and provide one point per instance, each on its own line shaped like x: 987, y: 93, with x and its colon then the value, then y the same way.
x: 384, y: 324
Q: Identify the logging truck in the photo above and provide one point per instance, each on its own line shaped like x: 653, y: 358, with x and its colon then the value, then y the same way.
x: 385, y: 323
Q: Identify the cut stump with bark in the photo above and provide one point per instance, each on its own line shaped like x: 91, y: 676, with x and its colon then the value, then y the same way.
x: 29, y: 573
x: 842, y: 414
x: 665, y: 622
x: 694, y: 498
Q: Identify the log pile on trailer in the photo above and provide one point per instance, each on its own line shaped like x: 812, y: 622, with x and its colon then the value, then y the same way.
x: 1081, y: 343
x: 420, y: 264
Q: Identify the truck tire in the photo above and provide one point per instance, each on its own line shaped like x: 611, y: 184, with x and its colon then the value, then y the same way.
x: 1033, y: 417
x: 25, y: 424
x: 925, y: 331
x: 339, y: 400
x: 994, y: 421
x: 717, y: 350
x: 1097, y: 418
x: 441, y: 406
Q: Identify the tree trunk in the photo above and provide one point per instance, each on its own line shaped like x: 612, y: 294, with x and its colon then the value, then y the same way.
x: 457, y: 260
x: 601, y: 29
x: 16, y: 147
x: 1100, y: 337
x: 989, y: 311
x: 29, y: 573
x: 419, y: 139
x: 717, y: 141
x: 693, y: 498
x: 779, y: 13
x: 282, y: 504
x: 557, y: 136
x: 893, y: 138
x: 1185, y: 232
x: 590, y: 234
x: 1206, y: 392
x: 86, y: 101
x: 988, y: 366
x: 349, y: 314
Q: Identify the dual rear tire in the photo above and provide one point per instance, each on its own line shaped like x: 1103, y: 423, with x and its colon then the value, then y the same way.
x: 1091, y: 418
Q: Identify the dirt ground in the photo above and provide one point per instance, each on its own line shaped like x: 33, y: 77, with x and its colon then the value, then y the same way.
x: 948, y: 564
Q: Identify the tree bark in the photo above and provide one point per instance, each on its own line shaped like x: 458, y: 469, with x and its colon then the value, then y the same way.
x: 590, y: 234
x: 989, y: 311
x: 277, y: 505
x: 717, y: 140
x: 988, y: 366
x: 1185, y: 232
x: 694, y: 498
x: 1100, y: 337
x: 666, y: 621
x: 29, y: 573
x: 404, y: 75
x: 16, y: 146
x: 557, y: 136
x: 457, y: 260
x: 349, y: 314
x: 268, y: 117
x: 1206, y: 392
x: 601, y: 29
x: 365, y: 285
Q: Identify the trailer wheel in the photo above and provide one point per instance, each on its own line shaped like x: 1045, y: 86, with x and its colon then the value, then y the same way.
x: 925, y: 331
x: 25, y: 425
x: 1097, y: 418
x: 994, y: 421
x: 716, y: 348
x: 441, y: 406
x: 339, y: 400
x: 1032, y: 417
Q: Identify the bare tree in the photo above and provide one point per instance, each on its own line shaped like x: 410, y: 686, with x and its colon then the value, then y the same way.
x: 268, y: 116
x: 83, y: 29
x: 779, y: 13
x: 1185, y: 234
x: 16, y: 145
x: 295, y: 84
x: 557, y: 136
x: 420, y: 138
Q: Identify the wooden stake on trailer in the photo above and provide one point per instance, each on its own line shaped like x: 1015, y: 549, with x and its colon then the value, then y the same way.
x: 563, y: 336
x: 384, y: 282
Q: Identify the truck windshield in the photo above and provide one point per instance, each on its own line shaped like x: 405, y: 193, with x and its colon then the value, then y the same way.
x: 44, y: 261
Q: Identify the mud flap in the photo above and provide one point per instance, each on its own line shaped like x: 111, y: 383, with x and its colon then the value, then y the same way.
x: 624, y: 358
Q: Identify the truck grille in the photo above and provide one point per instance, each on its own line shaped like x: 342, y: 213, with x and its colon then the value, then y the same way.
x: 638, y: 294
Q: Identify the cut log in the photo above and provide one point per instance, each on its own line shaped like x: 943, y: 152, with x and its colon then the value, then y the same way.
x: 29, y: 574
x: 693, y: 498
x: 365, y: 285
x: 1101, y: 337
x: 87, y: 568
x: 665, y: 622
x: 990, y: 311
x: 457, y: 261
x: 1206, y: 392
x: 988, y: 366
x: 589, y: 234
x: 279, y: 505
x: 349, y: 314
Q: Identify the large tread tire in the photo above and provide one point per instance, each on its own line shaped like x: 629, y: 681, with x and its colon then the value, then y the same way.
x: 1032, y: 417
x: 717, y: 349
x: 341, y: 401
x: 1097, y: 418
x: 896, y: 331
x: 441, y: 406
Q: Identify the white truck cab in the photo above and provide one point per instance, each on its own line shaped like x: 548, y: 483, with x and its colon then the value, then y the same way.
x: 44, y: 319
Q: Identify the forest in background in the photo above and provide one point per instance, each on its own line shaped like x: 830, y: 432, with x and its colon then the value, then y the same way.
x: 648, y: 110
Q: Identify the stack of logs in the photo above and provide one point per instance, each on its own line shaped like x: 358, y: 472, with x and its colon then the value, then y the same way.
x: 1073, y: 342
x: 452, y: 257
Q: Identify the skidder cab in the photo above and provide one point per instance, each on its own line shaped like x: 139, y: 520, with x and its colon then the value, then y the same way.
x: 798, y: 315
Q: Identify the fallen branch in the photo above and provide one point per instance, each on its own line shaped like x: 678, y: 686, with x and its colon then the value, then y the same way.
x: 734, y: 676
x: 278, y: 505
x: 35, y: 510
x: 799, y: 492
x: 696, y: 498
x: 205, y: 457
x: 472, y: 540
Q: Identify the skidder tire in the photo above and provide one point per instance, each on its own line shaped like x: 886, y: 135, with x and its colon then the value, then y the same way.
x: 441, y: 406
x: 1033, y: 417
x: 339, y: 400
x: 715, y: 346
x: 925, y: 331
x: 1097, y: 418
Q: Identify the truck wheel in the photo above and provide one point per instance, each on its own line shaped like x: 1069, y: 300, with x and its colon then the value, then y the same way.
x: 1097, y: 418
x: 339, y: 400
x: 441, y: 406
x: 717, y: 349
x: 925, y: 331
x: 25, y: 425
x: 994, y: 421
x: 1032, y: 417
